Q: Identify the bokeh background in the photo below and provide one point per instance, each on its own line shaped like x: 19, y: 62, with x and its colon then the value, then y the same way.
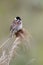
x: 31, y: 12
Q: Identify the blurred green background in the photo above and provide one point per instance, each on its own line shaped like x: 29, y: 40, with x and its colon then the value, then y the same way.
x: 31, y: 12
